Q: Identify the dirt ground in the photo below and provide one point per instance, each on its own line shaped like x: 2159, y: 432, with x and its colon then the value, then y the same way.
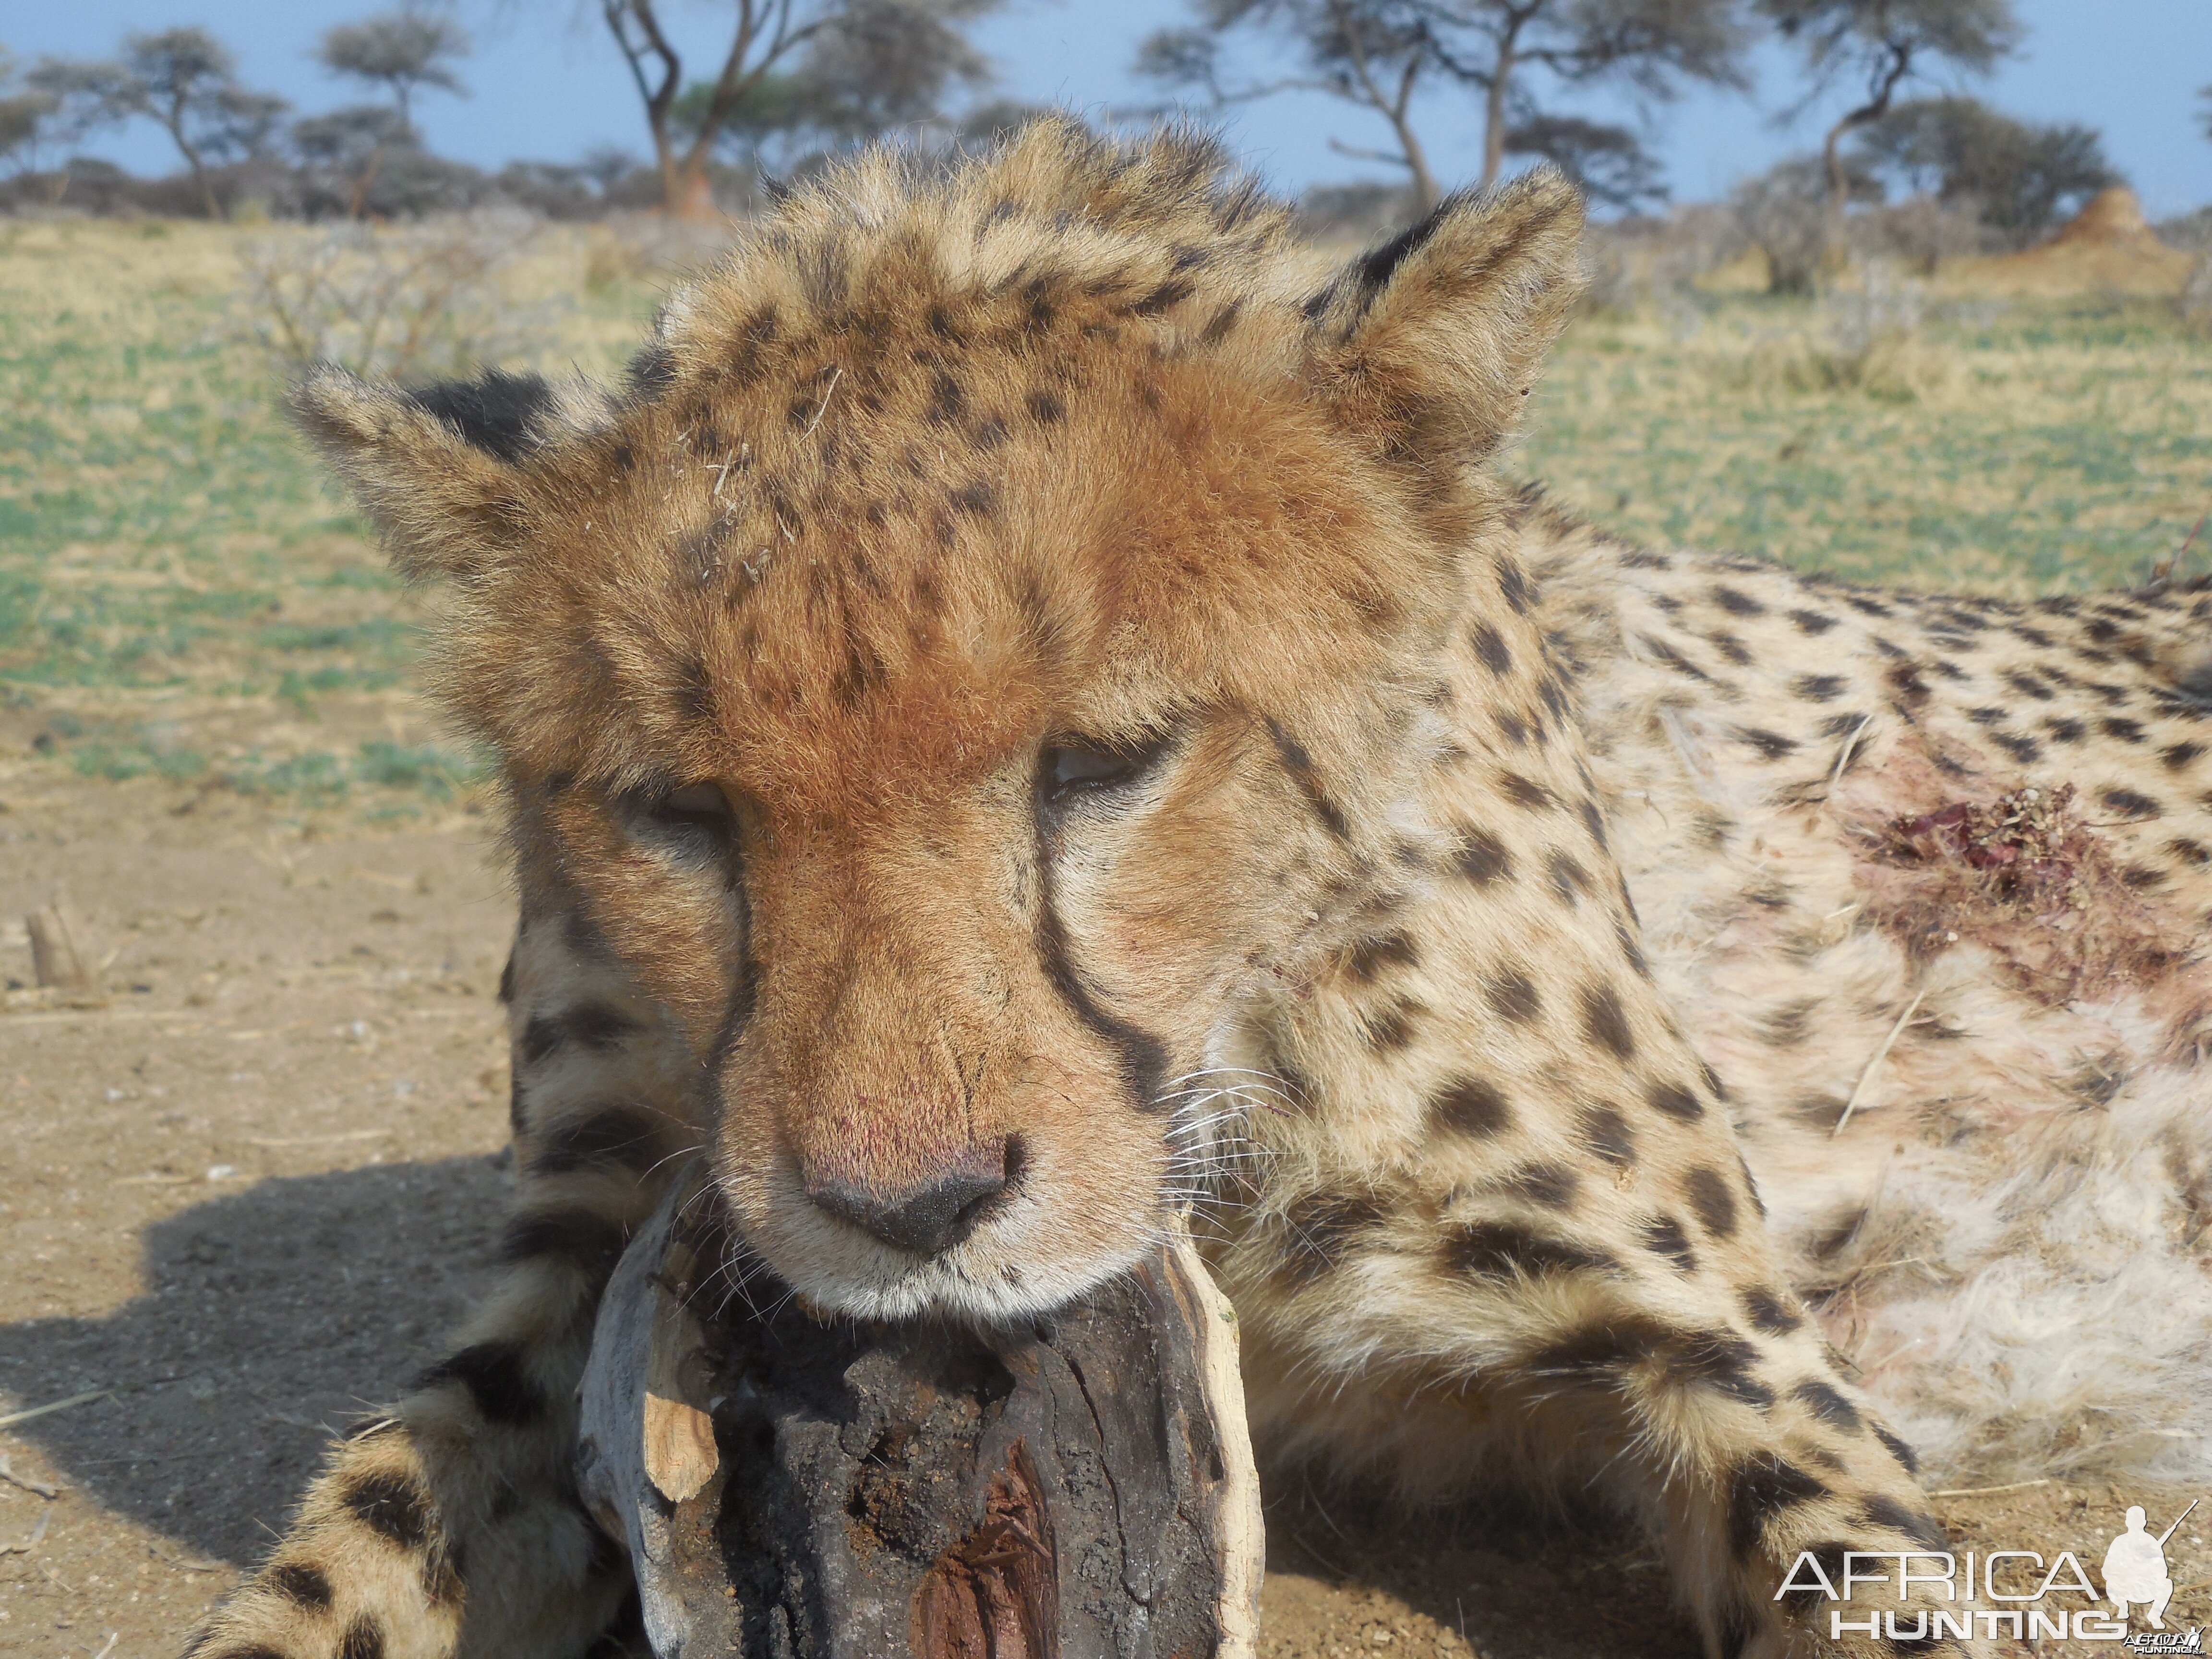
x: 248, y: 1184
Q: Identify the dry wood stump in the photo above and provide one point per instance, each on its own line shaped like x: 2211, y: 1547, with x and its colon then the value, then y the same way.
x: 795, y: 1488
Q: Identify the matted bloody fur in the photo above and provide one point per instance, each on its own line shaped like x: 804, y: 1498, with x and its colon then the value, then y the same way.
x: 1032, y: 690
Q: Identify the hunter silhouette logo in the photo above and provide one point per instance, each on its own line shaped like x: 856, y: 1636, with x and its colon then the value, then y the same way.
x: 2135, y: 1568
x: 2003, y: 1592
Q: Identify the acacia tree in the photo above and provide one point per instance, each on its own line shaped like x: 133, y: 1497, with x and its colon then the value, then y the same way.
x: 185, y: 80
x: 399, y: 51
x: 1380, y: 55
x: 2020, y: 178
x: 1881, y: 45
x: 869, y: 54
x: 24, y: 115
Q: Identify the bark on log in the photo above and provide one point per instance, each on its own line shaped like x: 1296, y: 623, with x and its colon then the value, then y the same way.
x: 796, y: 1488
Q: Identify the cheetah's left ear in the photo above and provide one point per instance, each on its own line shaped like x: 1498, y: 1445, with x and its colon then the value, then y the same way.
x: 1432, y: 343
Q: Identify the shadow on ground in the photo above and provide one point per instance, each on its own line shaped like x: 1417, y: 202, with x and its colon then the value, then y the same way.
x: 269, y: 1321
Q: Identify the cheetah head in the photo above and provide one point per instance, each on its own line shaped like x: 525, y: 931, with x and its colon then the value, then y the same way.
x: 978, y: 663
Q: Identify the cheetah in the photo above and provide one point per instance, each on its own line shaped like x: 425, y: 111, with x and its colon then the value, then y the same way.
x: 1033, y: 707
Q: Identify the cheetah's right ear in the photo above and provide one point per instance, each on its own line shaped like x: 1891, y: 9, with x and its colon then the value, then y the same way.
x: 436, y: 468
x: 1431, y: 343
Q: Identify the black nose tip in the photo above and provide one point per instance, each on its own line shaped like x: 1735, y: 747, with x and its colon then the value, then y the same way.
x: 927, y: 1218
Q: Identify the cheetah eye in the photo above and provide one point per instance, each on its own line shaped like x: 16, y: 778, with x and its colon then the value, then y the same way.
x: 1065, y: 770
x: 695, y: 820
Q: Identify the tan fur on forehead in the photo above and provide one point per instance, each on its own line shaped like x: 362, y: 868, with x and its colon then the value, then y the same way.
x: 941, y: 460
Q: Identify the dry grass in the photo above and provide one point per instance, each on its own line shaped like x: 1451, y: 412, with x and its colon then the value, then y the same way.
x: 2016, y: 450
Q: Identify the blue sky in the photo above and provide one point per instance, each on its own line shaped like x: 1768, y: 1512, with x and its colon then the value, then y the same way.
x: 545, y: 84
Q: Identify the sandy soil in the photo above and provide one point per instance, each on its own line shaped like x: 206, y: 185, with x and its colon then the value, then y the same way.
x: 249, y: 1182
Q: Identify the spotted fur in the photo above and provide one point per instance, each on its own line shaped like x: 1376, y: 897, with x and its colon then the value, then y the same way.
x: 1029, y: 712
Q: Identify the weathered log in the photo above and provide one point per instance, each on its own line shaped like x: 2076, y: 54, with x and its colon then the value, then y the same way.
x: 795, y: 1487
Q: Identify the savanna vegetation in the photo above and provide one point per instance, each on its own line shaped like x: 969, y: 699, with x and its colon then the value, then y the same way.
x: 183, y: 598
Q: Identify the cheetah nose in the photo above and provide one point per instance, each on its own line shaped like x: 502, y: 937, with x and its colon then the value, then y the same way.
x: 932, y: 1215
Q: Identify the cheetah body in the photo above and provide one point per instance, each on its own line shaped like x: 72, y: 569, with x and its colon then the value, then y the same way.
x: 1031, y: 690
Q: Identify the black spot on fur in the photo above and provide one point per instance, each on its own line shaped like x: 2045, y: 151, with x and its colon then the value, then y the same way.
x: 1664, y: 1236
x: 1812, y: 621
x: 1569, y: 879
x: 1882, y: 1510
x: 392, y: 1505
x: 1762, y: 1489
x: 948, y: 400
x: 1513, y: 996
x: 591, y: 1242
x: 1904, y: 680
x: 1709, y: 1196
x: 1771, y: 1312
x: 492, y: 1374
x: 1299, y: 764
x: 2024, y: 750
x: 1607, y: 1021
x: 363, y: 1639
x: 1603, y: 1350
x: 1818, y: 688
x: 493, y: 413
x: 1740, y: 605
x: 2180, y: 754
x: 1606, y: 1134
x: 1515, y: 587
x: 1471, y: 1106
x: 977, y: 498
x: 1594, y: 821
x: 1675, y: 1101
x: 2129, y: 803
x: 1490, y: 646
x: 1368, y: 959
x: 1525, y: 792
x: 1828, y: 1403
x: 1482, y: 858
x: 1392, y: 1028
x: 1903, y: 1453
x: 1552, y: 1185
x: 1045, y: 408
x: 1322, y: 1229
x: 1720, y: 1361
x: 1771, y: 745
x: 1665, y: 654
x: 1499, y: 1249
x: 297, y: 1581
x: 1165, y: 297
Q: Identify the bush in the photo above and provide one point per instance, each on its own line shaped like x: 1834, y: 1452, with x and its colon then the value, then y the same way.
x: 407, y: 301
x: 2020, y: 179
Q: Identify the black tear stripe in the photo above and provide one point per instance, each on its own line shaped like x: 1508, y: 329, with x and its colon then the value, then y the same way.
x: 1299, y: 764
x: 1143, y: 1056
